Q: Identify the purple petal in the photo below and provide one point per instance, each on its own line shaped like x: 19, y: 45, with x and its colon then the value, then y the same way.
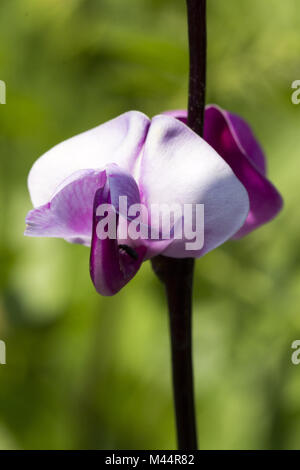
x: 180, y: 167
x: 247, y: 141
x: 232, y: 138
x: 180, y: 114
x: 111, y: 267
x: 121, y: 183
x: 117, y: 141
x: 69, y: 214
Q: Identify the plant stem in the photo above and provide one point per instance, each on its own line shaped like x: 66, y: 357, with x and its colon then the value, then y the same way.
x: 177, y: 274
x: 177, y: 277
x: 196, y: 10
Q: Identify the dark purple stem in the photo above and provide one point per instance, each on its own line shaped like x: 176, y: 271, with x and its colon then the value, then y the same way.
x: 177, y: 277
x: 196, y: 10
x: 177, y: 274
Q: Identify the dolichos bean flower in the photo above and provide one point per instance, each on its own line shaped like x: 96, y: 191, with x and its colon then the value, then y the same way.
x: 150, y: 162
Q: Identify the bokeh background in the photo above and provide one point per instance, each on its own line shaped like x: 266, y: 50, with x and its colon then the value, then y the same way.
x: 85, y: 372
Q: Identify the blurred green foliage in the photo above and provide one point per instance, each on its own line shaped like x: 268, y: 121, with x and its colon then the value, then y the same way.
x: 88, y: 372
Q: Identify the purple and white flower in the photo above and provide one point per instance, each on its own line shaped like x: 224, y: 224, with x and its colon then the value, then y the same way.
x: 158, y: 161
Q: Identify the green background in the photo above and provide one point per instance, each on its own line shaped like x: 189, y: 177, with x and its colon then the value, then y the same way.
x: 88, y: 372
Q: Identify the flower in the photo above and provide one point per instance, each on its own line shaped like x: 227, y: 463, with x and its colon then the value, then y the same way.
x: 158, y: 161
x: 233, y: 139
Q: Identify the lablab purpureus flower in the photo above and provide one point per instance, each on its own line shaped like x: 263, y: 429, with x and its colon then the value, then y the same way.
x: 158, y: 161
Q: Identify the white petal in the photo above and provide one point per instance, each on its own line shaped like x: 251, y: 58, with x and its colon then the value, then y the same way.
x: 117, y: 141
x: 180, y: 167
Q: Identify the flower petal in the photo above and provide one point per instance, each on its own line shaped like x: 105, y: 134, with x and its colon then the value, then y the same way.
x: 111, y: 267
x: 69, y: 214
x: 232, y: 138
x: 119, y: 140
x: 180, y: 167
x: 122, y: 183
x: 180, y: 114
x: 246, y: 140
